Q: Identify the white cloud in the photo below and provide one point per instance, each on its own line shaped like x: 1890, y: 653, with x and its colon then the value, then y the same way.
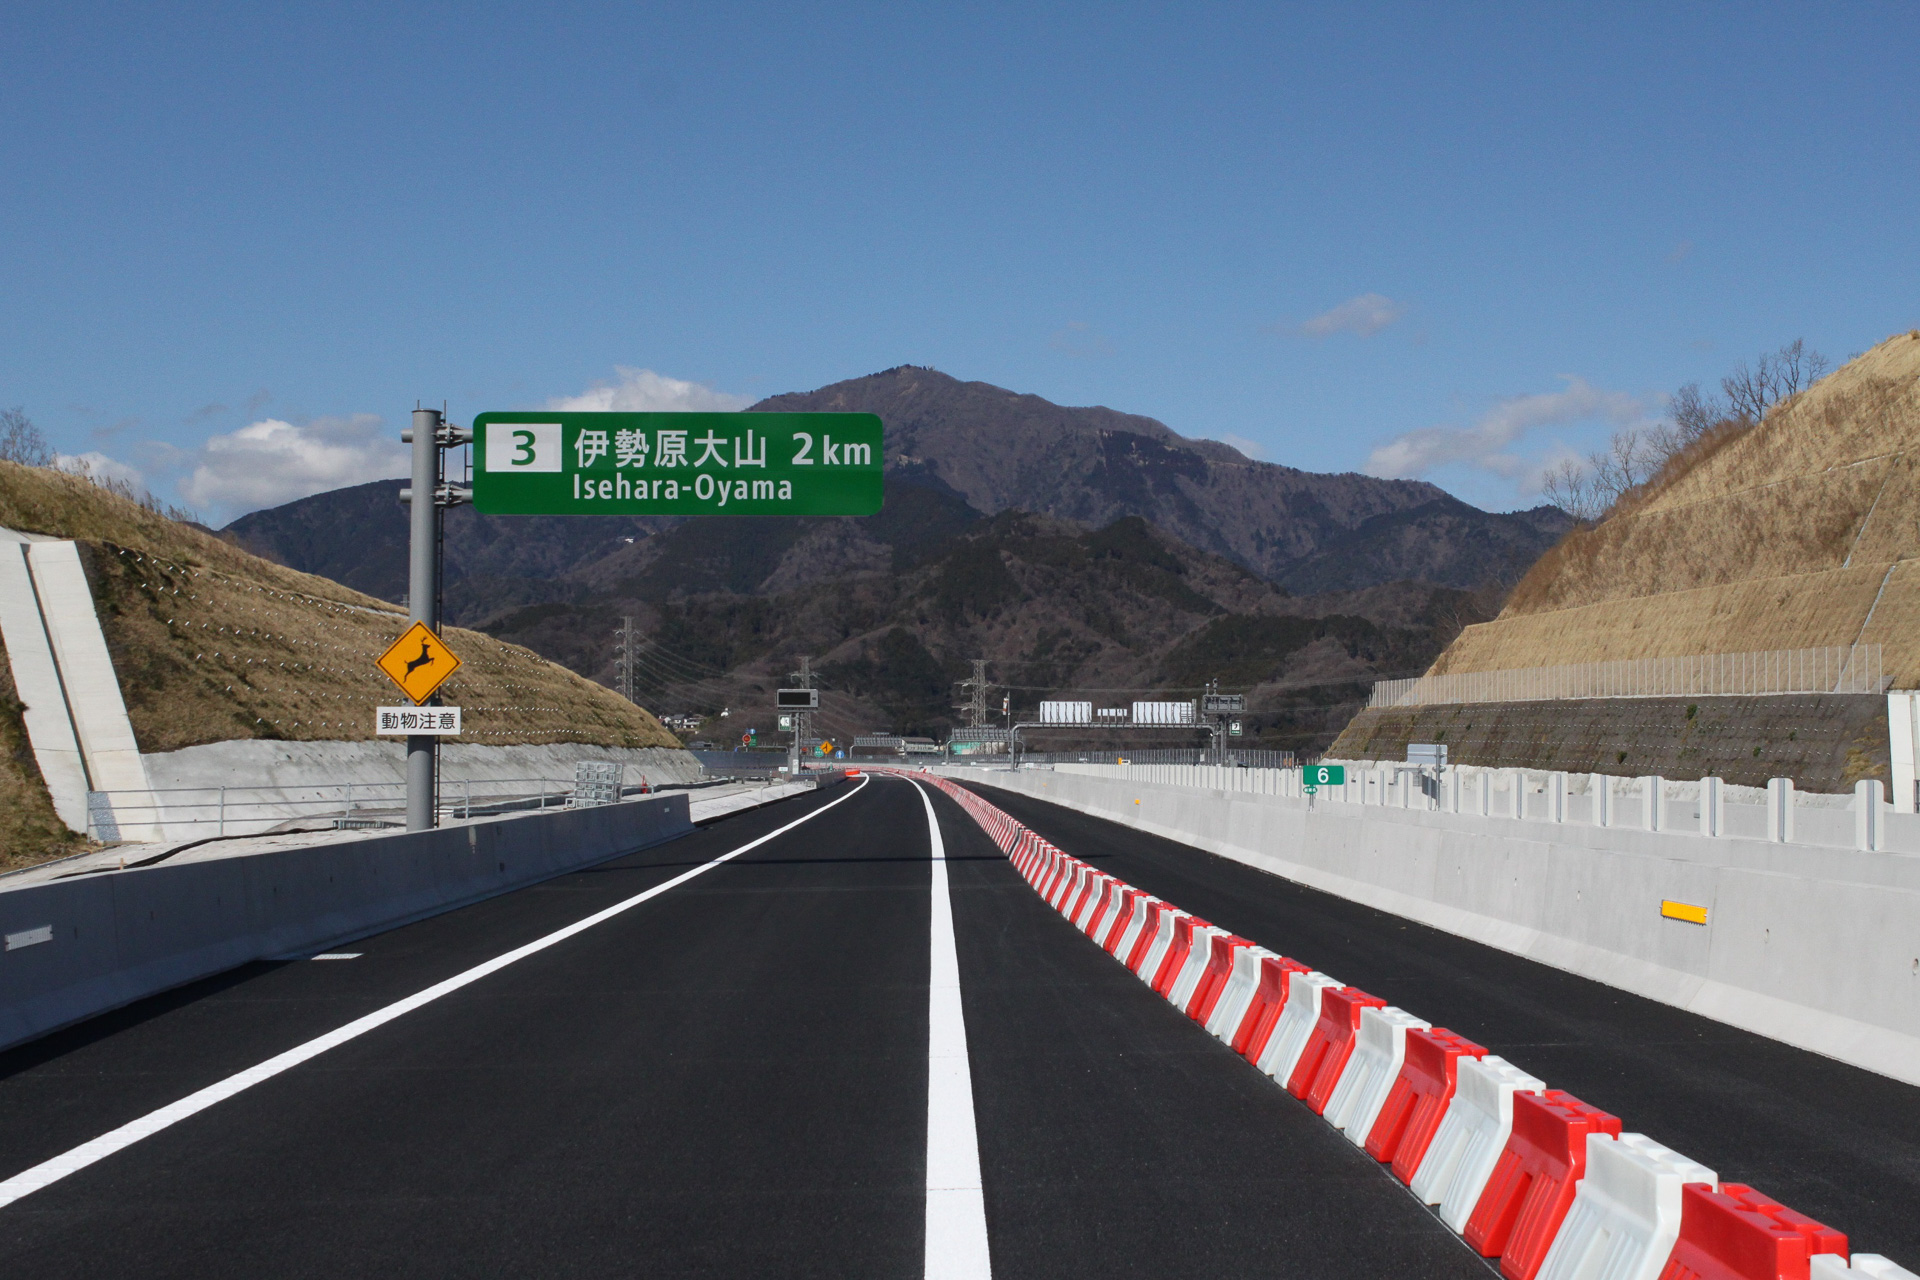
x: 270, y: 462
x: 644, y: 391
x: 1252, y: 448
x: 1363, y: 317
x: 99, y: 466
x: 1487, y: 443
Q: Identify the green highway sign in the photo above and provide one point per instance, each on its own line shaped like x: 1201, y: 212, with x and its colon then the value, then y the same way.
x: 1326, y: 775
x: 677, y: 464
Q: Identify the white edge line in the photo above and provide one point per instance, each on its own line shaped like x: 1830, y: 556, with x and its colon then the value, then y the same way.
x: 48, y: 1172
x: 956, y: 1246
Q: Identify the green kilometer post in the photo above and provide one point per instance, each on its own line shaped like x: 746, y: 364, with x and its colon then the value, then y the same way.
x: 1326, y: 775
x: 677, y: 464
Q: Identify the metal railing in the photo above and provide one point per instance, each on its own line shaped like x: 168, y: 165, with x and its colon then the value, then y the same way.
x: 1233, y: 757
x: 1834, y: 669
x: 244, y: 810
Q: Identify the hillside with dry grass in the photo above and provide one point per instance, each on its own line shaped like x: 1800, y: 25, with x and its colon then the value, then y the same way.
x: 211, y: 643
x: 1800, y: 531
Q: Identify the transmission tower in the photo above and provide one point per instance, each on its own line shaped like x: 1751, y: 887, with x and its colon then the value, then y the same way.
x: 625, y: 649
x: 975, y: 707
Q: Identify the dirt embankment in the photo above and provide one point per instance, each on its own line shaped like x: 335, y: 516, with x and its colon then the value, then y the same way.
x: 1800, y: 532
x: 1824, y: 742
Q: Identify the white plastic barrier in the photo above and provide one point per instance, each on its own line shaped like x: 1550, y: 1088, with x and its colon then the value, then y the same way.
x: 1135, y: 923
x: 1378, y: 1050
x: 1157, y: 951
x: 1290, y: 1034
x: 1241, y: 987
x: 1069, y: 885
x: 1116, y: 897
x: 1199, y: 956
x: 1866, y: 1266
x: 1625, y: 1215
x: 1471, y: 1136
x: 1102, y: 886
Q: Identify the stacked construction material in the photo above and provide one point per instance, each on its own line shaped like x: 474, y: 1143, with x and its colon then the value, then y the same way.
x: 1533, y: 1176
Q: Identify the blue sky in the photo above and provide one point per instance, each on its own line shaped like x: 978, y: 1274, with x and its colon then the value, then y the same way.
x: 238, y: 242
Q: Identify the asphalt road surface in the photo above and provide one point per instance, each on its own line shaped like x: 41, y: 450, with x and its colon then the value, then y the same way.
x: 1834, y: 1142
x: 742, y: 1075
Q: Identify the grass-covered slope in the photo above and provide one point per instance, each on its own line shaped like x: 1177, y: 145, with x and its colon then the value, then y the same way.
x: 1802, y: 531
x: 212, y: 643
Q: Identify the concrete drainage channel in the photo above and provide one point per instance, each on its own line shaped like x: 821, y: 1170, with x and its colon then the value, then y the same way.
x: 80, y: 945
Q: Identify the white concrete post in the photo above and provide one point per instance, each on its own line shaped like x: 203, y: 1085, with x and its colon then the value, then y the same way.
x: 1557, y: 797
x: 1713, y: 810
x: 1902, y: 731
x: 1486, y: 793
x: 1453, y: 785
x: 1653, y: 803
x: 1600, y: 789
x: 1780, y: 810
x: 1866, y: 814
x: 1517, y: 793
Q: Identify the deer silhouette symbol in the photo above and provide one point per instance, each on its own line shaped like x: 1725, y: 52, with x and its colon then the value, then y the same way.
x: 424, y: 660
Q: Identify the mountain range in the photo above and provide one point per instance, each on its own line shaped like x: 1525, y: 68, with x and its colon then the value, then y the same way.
x: 997, y: 450
x: 1076, y: 547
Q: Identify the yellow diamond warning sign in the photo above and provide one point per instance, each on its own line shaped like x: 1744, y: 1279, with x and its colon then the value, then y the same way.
x: 418, y: 662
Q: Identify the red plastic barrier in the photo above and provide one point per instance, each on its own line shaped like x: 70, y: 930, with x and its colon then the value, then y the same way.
x: 1113, y: 891
x: 1176, y: 957
x: 1085, y: 877
x: 1214, y: 980
x: 1412, y: 1111
x: 1149, y: 930
x: 1330, y: 1045
x: 1129, y: 898
x: 1063, y: 870
x: 1092, y: 885
x: 1532, y: 1187
x: 1738, y: 1234
x: 1269, y: 1002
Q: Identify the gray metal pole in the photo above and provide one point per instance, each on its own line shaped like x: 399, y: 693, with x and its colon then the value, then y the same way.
x: 423, y: 596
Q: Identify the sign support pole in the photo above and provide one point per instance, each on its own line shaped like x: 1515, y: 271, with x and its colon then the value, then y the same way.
x: 423, y: 598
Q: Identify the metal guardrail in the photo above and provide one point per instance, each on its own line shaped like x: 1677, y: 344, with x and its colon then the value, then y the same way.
x: 1833, y: 669
x: 244, y: 810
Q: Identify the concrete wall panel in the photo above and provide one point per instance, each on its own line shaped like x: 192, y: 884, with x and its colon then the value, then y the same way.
x: 1817, y: 947
x: 121, y: 936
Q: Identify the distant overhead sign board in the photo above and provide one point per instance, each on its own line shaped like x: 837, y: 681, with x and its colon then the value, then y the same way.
x: 1066, y: 713
x: 418, y: 662
x: 677, y: 464
x: 1215, y: 704
x: 1163, y: 713
x: 797, y: 699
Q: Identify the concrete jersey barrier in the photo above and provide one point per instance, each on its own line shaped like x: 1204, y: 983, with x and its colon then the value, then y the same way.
x: 117, y: 937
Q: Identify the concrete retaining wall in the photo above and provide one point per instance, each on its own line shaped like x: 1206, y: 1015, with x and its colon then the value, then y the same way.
x: 119, y: 936
x: 1816, y: 947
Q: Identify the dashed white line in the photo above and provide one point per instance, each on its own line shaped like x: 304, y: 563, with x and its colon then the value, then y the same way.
x: 48, y: 1172
x: 956, y: 1202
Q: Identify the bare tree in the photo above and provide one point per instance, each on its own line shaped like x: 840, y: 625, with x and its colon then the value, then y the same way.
x: 21, y: 441
x: 1589, y: 489
x: 1778, y: 376
x: 1693, y: 415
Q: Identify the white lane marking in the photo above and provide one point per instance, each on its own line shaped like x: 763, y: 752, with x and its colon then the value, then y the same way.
x: 340, y: 955
x: 956, y: 1204
x: 48, y: 1172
